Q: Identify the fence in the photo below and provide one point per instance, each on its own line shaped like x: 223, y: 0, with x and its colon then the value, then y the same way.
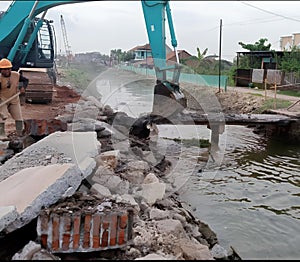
x: 202, y: 80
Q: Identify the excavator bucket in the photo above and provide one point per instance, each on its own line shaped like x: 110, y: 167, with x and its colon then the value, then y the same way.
x: 168, y: 99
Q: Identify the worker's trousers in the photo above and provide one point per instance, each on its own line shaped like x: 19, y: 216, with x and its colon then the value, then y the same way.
x: 14, y: 109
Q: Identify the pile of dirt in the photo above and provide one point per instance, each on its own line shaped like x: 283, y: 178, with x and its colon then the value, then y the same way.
x: 207, y: 99
x: 239, y: 103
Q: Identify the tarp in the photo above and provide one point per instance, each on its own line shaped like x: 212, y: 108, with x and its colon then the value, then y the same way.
x: 258, y: 75
x: 274, y: 76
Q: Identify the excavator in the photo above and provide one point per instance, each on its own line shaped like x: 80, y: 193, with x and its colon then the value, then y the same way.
x: 27, y: 39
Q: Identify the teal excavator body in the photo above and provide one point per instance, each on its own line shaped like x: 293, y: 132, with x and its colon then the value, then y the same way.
x: 27, y: 38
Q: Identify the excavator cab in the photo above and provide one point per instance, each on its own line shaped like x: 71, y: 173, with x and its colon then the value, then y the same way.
x: 39, y: 52
x: 38, y: 61
x: 42, y: 52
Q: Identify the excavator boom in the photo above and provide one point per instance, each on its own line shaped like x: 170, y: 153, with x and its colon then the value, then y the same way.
x: 22, y: 42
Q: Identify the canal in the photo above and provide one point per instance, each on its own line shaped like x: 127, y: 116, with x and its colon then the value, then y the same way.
x: 247, y: 191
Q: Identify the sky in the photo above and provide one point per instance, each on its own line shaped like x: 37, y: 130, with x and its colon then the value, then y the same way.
x: 100, y: 26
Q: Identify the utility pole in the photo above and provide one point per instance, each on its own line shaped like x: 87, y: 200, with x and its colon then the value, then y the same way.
x: 220, y: 53
x: 66, y: 43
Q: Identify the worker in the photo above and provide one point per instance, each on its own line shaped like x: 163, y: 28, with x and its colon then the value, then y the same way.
x: 9, y: 97
x: 23, y: 83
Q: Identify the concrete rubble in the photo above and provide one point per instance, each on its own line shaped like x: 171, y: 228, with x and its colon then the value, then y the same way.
x: 93, y: 159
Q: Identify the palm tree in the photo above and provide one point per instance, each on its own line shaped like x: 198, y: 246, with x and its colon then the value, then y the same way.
x: 201, y: 56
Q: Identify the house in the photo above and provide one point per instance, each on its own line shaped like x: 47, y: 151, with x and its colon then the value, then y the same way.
x: 182, y: 55
x: 143, y: 55
x: 141, y: 52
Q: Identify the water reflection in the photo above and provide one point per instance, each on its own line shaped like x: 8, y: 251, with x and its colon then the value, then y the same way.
x: 254, y: 198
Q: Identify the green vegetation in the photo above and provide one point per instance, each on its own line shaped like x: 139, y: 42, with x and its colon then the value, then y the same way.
x: 271, y: 103
x: 248, y: 62
x: 121, y: 56
x: 290, y: 62
x: 257, y: 46
x: 290, y: 92
x: 80, y: 75
x: 76, y: 77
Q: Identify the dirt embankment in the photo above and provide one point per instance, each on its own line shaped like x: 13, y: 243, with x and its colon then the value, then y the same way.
x: 210, y: 100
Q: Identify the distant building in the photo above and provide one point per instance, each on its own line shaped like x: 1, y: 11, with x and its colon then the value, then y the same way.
x: 141, y: 52
x: 182, y: 55
x: 143, y: 55
x: 87, y: 57
x: 144, y: 51
x: 287, y: 42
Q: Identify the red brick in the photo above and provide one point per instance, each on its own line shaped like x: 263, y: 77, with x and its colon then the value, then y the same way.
x: 87, y: 231
x: 76, y: 231
x: 96, y: 230
x: 67, y: 232
x: 105, y: 227
x: 44, y: 230
x: 122, y: 228
x: 121, y: 237
x: 41, y: 127
x: 123, y: 221
x: 113, y: 230
x: 55, y: 232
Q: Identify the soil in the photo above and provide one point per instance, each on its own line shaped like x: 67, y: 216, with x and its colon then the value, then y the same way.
x: 208, y: 100
x: 62, y: 96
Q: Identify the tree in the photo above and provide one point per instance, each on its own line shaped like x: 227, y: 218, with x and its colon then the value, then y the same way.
x: 251, y: 61
x: 121, y: 56
x: 257, y: 46
x: 290, y: 62
x: 203, y: 65
x: 201, y: 55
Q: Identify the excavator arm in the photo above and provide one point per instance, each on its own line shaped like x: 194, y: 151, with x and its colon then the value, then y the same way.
x: 166, y: 90
x: 20, y: 40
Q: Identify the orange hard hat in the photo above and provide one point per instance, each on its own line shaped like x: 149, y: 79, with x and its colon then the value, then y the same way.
x: 5, y: 64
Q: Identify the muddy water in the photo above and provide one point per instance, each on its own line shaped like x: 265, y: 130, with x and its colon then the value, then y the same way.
x: 247, y: 190
x: 252, y: 199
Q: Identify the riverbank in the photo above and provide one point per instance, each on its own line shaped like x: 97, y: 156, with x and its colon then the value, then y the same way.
x: 163, y: 227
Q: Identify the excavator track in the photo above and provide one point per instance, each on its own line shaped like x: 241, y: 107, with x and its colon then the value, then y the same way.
x: 41, y: 85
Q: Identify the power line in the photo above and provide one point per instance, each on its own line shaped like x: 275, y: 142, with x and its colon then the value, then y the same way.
x: 244, y: 22
x: 272, y: 13
x: 257, y: 21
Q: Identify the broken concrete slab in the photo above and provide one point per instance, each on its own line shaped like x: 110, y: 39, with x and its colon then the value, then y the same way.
x: 65, y: 147
x: 82, y: 147
x: 31, y: 189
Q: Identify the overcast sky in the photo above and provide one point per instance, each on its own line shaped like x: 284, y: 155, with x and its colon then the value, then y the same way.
x: 105, y: 25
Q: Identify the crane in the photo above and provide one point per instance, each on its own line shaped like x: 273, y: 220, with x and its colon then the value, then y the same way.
x: 69, y: 54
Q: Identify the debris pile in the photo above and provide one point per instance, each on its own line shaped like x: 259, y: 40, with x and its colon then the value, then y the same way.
x: 122, y: 189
